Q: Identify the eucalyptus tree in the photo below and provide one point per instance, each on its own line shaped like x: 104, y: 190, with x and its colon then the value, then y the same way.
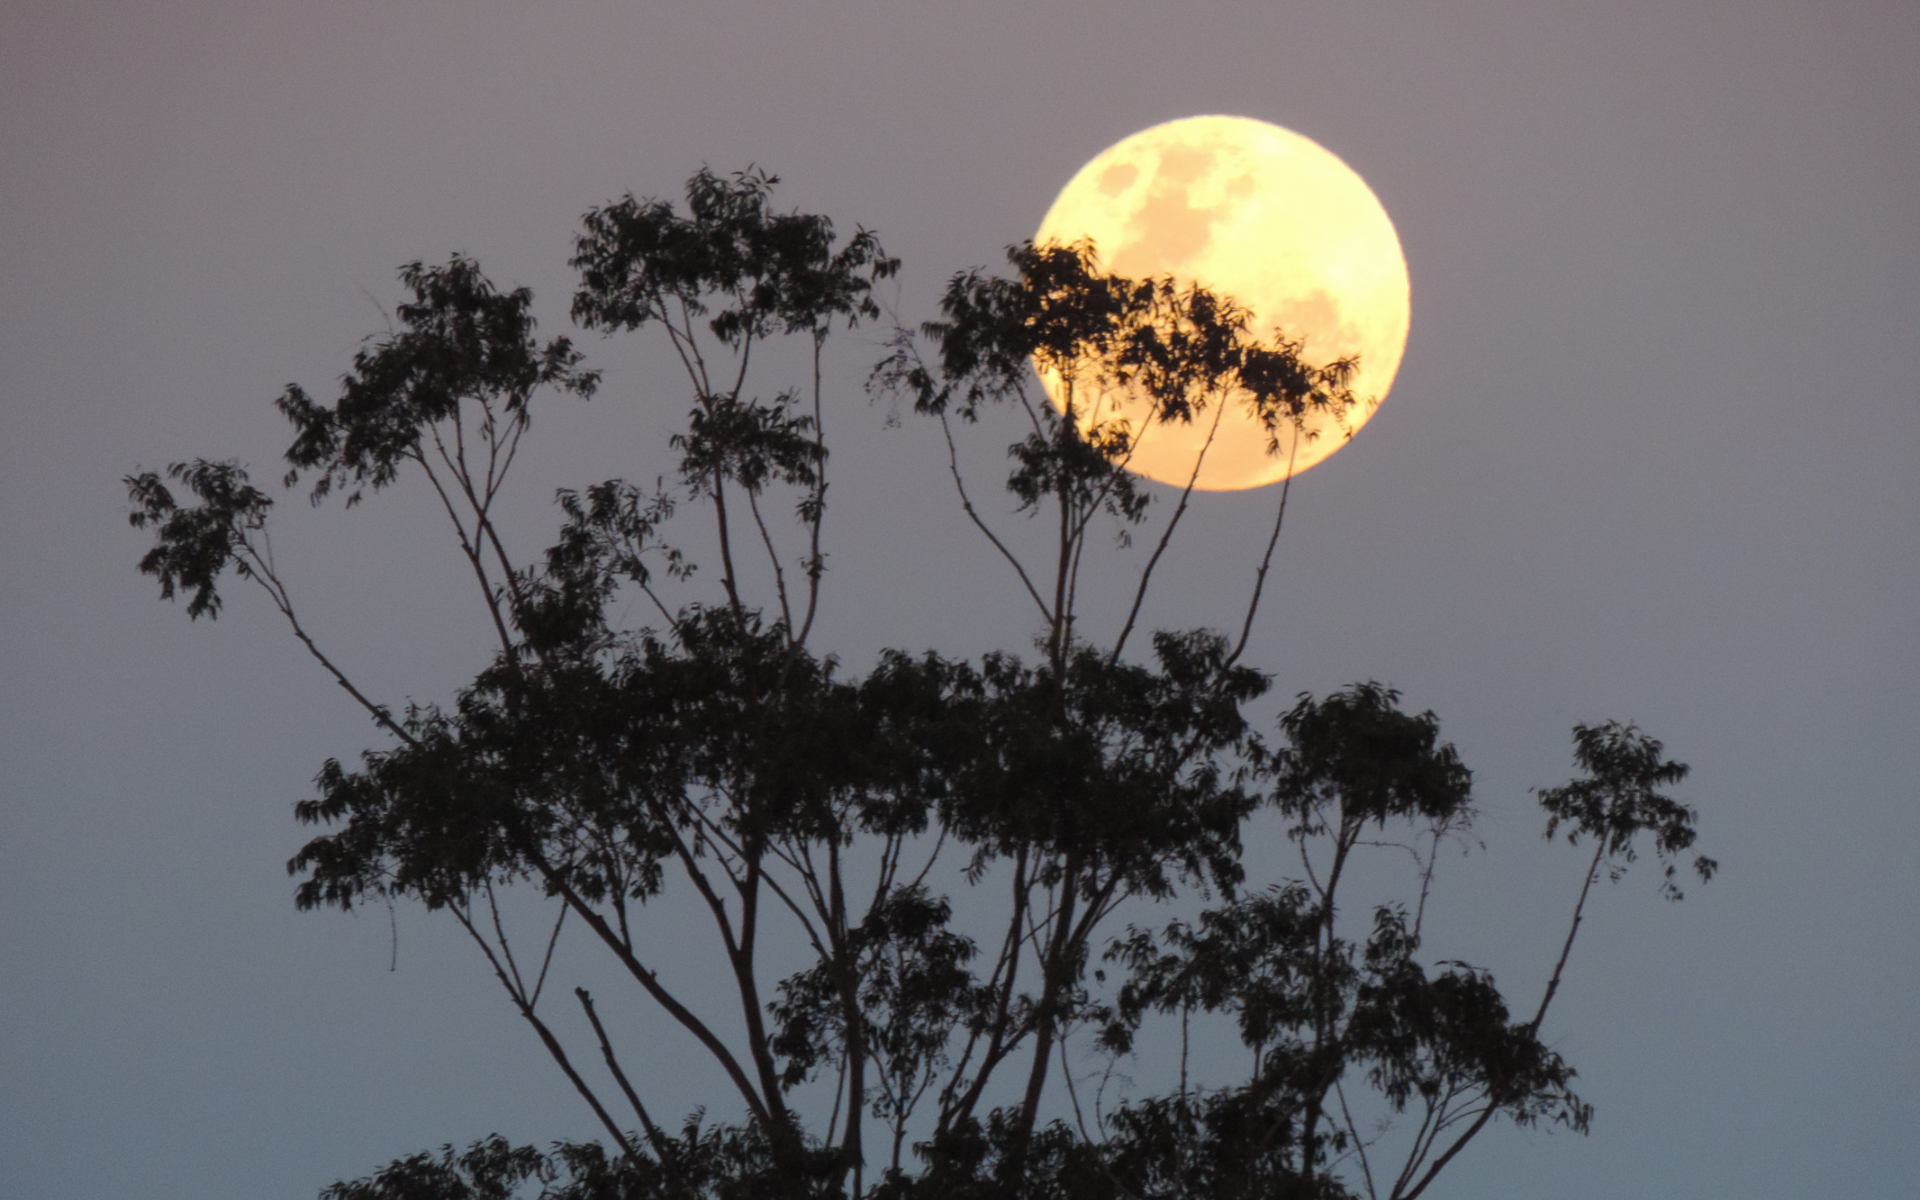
x: 969, y: 853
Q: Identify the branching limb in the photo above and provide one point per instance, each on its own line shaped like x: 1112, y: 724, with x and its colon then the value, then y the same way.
x: 1422, y: 1141
x: 1000, y: 983
x: 468, y: 547
x: 793, y: 906
x: 697, y: 365
x: 506, y: 949
x: 1166, y: 536
x: 1432, y: 1137
x: 1533, y: 1027
x: 650, y: 983
x: 554, y: 1049
x: 932, y: 857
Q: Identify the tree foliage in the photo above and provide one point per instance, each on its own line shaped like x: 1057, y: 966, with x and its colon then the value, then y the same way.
x: 982, y: 862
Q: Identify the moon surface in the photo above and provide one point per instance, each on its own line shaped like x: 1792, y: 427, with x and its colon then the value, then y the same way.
x: 1271, y: 220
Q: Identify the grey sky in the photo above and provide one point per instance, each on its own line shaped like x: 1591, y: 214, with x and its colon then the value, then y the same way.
x: 1649, y: 456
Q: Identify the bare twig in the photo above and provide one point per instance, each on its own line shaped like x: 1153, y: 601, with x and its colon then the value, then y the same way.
x: 1266, y: 559
x: 966, y: 504
x: 1166, y: 535
x: 613, y: 1064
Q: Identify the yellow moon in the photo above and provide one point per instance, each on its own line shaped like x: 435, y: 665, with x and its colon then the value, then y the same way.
x: 1272, y: 220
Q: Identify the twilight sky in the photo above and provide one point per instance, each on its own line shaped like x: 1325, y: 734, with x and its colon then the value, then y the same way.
x: 1649, y: 456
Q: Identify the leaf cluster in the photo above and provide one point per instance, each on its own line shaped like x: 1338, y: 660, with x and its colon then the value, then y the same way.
x: 194, y: 546
x: 460, y: 341
x: 1619, y: 800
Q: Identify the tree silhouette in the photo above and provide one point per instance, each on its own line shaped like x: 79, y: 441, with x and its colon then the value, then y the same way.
x: 971, y: 852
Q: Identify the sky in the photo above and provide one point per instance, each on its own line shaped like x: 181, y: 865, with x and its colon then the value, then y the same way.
x: 1649, y: 456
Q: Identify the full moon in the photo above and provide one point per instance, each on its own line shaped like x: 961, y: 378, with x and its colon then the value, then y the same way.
x: 1277, y: 223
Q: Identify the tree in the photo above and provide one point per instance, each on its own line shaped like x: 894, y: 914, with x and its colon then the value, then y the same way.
x: 987, y: 860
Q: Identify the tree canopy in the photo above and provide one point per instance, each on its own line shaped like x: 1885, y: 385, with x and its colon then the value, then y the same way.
x: 982, y: 862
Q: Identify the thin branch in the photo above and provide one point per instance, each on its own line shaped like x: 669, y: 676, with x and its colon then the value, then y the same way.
x: 1166, y: 535
x: 793, y: 906
x: 1266, y: 560
x: 506, y: 951
x: 997, y: 1047
x: 1422, y: 1143
x: 939, y: 841
x: 729, y: 579
x: 1061, y: 637
x: 467, y: 546
x: 547, y: 1039
x: 1034, y: 419
x: 1073, y: 1094
x: 650, y: 982
x: 546, y: 960
x: 613, y: 1064
x: 283, y: 600
x: 773, y: 556
x: 839, y: 1089
x: 1533, y: 1026
x: 746, y: 355
x: 816, y: 562
x: 658, y: 604
x: 1566, y: 948
x: 715, y: 902
x: 482, y: 506
x: 1426, y: 881
x: 966, y: 505
x: 701, y: 379
x: 1359, y: 1144
x: 891, y: 847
